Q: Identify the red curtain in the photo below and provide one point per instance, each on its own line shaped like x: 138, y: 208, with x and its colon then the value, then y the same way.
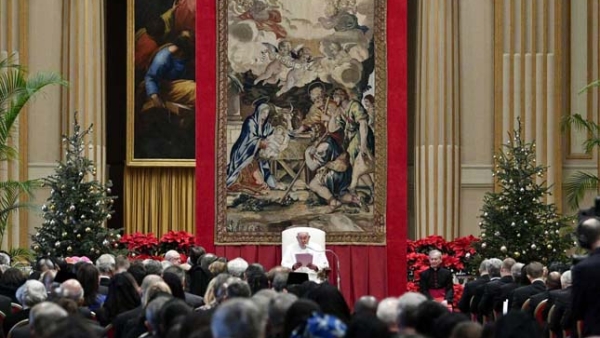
x: 373, y: 270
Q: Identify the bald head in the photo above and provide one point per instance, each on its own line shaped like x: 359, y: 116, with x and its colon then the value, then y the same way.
x: 553, y: 281
x: 72, y: 289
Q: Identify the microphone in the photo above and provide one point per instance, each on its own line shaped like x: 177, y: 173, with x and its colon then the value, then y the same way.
x: 337, y: 263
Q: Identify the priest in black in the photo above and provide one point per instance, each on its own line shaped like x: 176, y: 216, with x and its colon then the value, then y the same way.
x: 437, y: 282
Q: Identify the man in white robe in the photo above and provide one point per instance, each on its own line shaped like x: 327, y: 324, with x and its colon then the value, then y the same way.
x: 319, y: 260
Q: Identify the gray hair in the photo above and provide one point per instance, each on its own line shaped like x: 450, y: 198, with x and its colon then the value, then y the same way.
x: 176, y: 270
x: 106, y: 263
x: 262, y: 299
x: 484, y: 266
x: 566, y: 279
x: 31, y: 293
x: 153, y: 267
x: 146, y: 284
x: 153, y: 310
x: 407, y: 304
x: 237, y: 318
x: 387, y: 311
x: 4, y: 258
x: 279, y: 306
x: 237, y: 267
x: 495, y: 266
x: 280, y: 281
x: 44, y: 316
x: 516, y: 270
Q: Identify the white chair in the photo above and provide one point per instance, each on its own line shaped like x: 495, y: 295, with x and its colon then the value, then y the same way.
x: 288, y: 237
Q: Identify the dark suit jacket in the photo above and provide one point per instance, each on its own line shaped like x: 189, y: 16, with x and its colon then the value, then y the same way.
x: 469, y: 292
x: 13, y: 319
x: 120, y: 321
x: 504, y: 294
x: 586, y: 293
x: 444, y: 280
x: 490, y: 291
x: 199, y: 279
x: 520, y: 295
x: 562, y: 318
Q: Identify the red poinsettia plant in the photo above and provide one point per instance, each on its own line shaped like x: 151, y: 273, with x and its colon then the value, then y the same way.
x: 176, y: 240
x: 456, y: 256
x: 143, y: 246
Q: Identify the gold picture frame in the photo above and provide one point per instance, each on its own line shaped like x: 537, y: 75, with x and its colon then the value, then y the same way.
x: 233, y: 227
x: 161, y: 126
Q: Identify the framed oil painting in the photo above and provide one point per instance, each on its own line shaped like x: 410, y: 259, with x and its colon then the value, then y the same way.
x: 161, y: 86
x: 301, y: 125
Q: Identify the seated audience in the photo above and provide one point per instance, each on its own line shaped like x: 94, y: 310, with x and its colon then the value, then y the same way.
x: 43, y: 317
x: 534, y: 272
x: 500, y: 272
x: 408, y: 304
x: 367, y: 325
x: 123, y: 295
x: 88, y: 276
x: 29, y: 294
x: 562, y: 317
x: 297, y: 314
x: 464, y: 305
x: 277, y: 310
x: 427, y: 313
x: 506, y: 290
x: 237, y: 318
x: 366, y: 305
x: 387, y: 312
x: 552, y: 283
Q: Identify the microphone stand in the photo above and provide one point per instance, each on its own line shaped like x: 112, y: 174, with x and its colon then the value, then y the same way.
x: 337, y: 266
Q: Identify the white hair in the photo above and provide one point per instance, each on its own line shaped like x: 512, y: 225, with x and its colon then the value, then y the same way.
x: 172, y: 254
x: 106, y: 263
x: 387, y: 311
x: 236, y: 267
x: 435, y: 252
x: 410, y: 299
x: 566, y: 279
x: 31, y: 293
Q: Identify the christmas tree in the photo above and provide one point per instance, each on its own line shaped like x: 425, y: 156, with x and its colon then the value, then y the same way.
x: 516, y: 222
x: 77, y: 207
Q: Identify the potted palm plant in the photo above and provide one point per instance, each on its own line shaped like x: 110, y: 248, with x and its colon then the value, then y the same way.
x: 16, y: 89
x: 576, y: 185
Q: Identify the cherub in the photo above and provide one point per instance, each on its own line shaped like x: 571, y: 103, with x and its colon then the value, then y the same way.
x: 280, y: 65
x: 303, y: 72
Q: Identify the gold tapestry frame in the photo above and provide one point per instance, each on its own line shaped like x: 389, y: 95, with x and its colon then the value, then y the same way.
x: 375, y: 237
x: 131, y: 160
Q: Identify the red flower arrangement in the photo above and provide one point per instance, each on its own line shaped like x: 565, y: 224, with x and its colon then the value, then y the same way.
x: 143, y: 246
x: 455, y: 256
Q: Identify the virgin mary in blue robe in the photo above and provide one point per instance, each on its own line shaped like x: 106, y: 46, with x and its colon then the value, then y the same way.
x: 256, y: 128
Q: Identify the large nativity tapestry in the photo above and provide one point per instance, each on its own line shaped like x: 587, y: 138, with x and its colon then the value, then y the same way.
x: 301, y: 130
